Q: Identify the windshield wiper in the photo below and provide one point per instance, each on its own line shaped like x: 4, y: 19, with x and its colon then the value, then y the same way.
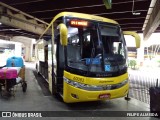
x: 79, y: 61
x: 92, y: 54
x: 100, y: 39
x: 117, y: 63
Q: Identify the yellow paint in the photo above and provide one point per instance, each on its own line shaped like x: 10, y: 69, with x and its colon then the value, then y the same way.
x: 84, y: 95
x: 96, y: 81
x: 78, y: 15
x: 63, y: 34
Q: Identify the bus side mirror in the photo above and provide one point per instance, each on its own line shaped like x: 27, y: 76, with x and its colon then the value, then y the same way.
x: 135, y: 35
x: 63, y: 34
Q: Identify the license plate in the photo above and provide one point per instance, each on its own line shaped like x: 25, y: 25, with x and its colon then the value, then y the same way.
x: 104, y: 96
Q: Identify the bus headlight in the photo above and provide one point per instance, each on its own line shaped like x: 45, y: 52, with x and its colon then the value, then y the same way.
x: 95, y: 87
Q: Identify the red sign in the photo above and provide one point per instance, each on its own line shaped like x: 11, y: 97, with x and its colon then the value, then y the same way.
x: 104, y: 96
x: 79, y: 23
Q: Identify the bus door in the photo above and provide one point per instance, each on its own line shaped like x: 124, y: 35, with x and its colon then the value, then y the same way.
x: 60, y: 66
x: 45, y: 65
x: 50, y: 66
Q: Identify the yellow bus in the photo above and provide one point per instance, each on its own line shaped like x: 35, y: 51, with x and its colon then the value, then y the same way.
x: 84, y: 57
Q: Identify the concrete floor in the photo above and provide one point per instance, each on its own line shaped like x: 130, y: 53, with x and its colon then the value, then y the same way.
x: 35, y: 100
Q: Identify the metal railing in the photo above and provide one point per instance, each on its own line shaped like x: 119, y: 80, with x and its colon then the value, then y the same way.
x: 140, y: 83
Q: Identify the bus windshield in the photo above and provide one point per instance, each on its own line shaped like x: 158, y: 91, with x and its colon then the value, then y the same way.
x: 95, y: 47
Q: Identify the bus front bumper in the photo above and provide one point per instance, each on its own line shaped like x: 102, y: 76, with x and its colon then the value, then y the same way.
x: 73, y: 94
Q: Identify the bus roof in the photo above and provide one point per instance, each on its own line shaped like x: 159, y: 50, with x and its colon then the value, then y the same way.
x: 79, y: 15
x: 86, y: 16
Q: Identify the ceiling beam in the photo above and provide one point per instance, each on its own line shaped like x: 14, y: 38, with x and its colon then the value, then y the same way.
x: 153, y: 22
x: 21, y: 12
x: 17, y: 19
x: 80, y: 7
x: 20, y: 3
x: 119, y: 12
x: 4, y: 37
x: 21, y: 24
x: 129, y: 18
x: 62, y: 9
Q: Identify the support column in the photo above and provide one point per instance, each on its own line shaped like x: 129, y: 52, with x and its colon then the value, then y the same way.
x: 28, y: 52
x: 28, y: 46
x: 18, y: 49
x: 153, y: 22
x: 140, y: 52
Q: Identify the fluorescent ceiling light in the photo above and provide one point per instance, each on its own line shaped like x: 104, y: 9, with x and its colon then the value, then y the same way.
x: 136, y: 13
x: 133, y: 11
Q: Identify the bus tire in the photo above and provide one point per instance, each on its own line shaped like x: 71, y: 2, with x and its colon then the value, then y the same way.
x: 58, y: 97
